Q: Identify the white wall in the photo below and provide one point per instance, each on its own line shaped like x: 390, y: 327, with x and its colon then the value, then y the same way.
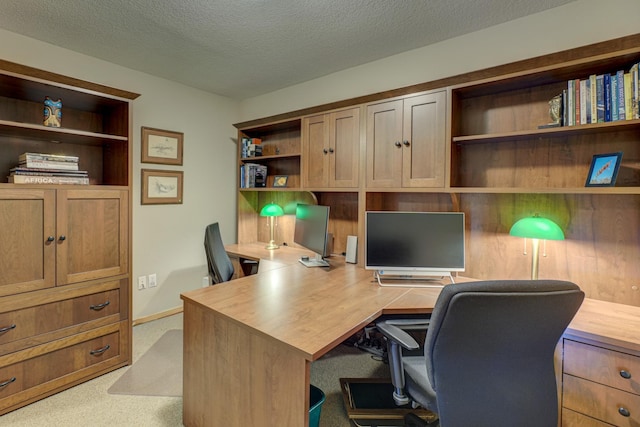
x: 576, y: 24
x: 167, y: 240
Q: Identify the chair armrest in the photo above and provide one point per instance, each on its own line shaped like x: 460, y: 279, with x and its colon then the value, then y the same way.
x: 396, y: 334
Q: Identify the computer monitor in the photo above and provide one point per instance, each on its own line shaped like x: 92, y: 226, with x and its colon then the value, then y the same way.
x: 414, y: 245
x: 311, y: 228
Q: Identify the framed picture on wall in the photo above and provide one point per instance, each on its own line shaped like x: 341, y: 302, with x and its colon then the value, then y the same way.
x: 161, y: 146
x: 161, y: 187
x: 604, y: 170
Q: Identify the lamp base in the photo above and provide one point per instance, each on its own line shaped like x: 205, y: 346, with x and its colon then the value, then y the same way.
x: 272, y: 245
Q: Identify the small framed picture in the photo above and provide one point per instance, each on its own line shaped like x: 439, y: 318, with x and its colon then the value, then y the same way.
x: 161, y: 187
x: 161, y: 146
x: 604, y: 170
x: 280, y: 180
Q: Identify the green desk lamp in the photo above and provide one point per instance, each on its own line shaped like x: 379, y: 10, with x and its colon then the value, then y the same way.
x: 536, y: 228
x: 272, y: 210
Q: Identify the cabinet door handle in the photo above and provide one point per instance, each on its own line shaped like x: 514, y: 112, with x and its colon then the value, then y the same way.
x: 7, y: 328
x: 50, y: 239
x: 7, y: 382
x: 624, y: 411
x: 398, y: 144
x: 331, y: 150
x: 325, y: 151
x: 62, y: 237
x: 100, y: 350
x: 406, y: 143
x: 98, y: 307
x: 625, y: 374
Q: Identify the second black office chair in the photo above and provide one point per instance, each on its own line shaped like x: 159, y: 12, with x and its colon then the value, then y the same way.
x: 220, y: 265
x: 488, y: 354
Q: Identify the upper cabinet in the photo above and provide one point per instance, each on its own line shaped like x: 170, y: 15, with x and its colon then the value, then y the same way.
x: 94, y: 127
x: 406, y: 142
x: 331, y: 149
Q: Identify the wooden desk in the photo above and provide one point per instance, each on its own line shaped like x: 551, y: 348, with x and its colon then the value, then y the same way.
x: 249, y: 343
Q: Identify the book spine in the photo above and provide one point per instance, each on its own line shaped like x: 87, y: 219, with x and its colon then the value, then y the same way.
x: 44, y: 164
x: 578, y: 102
x: 628, y: 109
x: 607, y: 97
x: 47, y: 157
x: 600, y: 98
x: 585, y: 102
x: 635, y: 114
x: 614, y: 97
x: 621, y: 106
x: 571, y: 115
x: 593, y: 114
x: 27, y: 179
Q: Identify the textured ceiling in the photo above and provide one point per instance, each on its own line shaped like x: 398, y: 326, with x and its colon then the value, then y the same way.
x: 244, y: 48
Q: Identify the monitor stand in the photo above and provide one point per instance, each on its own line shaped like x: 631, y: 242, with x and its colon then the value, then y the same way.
x: 419, y: 280
x: 318, y: 261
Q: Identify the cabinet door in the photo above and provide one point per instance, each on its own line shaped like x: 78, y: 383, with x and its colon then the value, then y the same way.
x: 27, y: 258
x: 344, y: 148
x: 424, y: 143
x: 315, y: 151
x: 93, y: 234
x: 384, y: 144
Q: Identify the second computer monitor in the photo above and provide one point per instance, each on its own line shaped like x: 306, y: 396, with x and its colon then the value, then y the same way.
x: 311, y: 230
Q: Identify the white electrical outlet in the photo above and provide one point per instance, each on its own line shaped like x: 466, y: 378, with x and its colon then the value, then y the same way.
x: 205, y: 281
x: 142, y: 282
x: 153, y: 280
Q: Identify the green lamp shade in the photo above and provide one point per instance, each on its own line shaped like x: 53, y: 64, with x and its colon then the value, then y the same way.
x: 537, y: 228
x: 271, y: 210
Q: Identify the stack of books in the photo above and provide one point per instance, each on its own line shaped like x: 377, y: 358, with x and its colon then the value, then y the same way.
x: 253, y: 175
x: 601, y: 98
x: 40, y: 168
x: 251, y: 147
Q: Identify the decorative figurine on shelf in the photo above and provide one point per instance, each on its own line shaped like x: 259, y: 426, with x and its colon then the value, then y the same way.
x: 555, y: 113
x: 52, y: 112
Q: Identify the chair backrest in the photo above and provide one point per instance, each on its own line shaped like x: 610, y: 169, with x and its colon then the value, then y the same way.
x: 220, y: 266
x: 490, y: 351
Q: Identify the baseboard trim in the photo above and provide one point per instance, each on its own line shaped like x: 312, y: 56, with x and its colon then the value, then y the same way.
x: 157, y: 316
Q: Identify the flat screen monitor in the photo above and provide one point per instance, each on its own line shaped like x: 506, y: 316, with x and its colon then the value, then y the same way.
x: 311, y: 228
x: 408, y: 244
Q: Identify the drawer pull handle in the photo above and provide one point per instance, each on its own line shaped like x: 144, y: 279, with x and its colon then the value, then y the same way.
x: 7, y: 328
x: 98, y: 307
x: 624, y: 412
x: 100, y: 350
x: 625, y: 374
x: 7, y: 382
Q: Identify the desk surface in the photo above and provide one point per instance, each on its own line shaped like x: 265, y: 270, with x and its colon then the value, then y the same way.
x: 309, y: 309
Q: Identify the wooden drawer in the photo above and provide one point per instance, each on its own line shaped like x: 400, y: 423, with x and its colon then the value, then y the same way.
x: 50, y: 371
x: 26, y: 323
x: 600, y: 401
x: 601, y: 365
x: 574, y: 419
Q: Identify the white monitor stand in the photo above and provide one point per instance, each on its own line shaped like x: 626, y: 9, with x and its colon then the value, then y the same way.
x: 426, y: 279
x: 318, y: 261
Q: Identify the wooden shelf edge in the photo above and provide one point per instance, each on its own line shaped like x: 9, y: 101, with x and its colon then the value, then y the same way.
x: 549, y: 132
x: 258, y: 159
x: 54, y: 134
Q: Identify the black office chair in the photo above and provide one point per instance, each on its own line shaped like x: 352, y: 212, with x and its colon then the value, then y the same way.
x: 488, y: 354
x: 220, y: 265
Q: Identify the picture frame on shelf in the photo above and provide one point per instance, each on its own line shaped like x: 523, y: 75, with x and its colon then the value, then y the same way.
x: 161, y: 187
x: 160, y: 146
x: 604, y: 170
x: 280, y: 180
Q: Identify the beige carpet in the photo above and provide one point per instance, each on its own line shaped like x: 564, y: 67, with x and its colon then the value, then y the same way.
x: 158, y: 372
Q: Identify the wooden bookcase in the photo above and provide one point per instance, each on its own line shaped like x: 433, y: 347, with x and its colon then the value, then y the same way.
x: 496, y: 165
x: 65, y: 288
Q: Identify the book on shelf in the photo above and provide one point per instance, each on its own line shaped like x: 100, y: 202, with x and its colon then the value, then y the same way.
x: 47, y: 157
x: 253, y: 175
x: 251, y: 147
x: 47, y: 172
x: 48, y: 161
x: 35, y: 179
